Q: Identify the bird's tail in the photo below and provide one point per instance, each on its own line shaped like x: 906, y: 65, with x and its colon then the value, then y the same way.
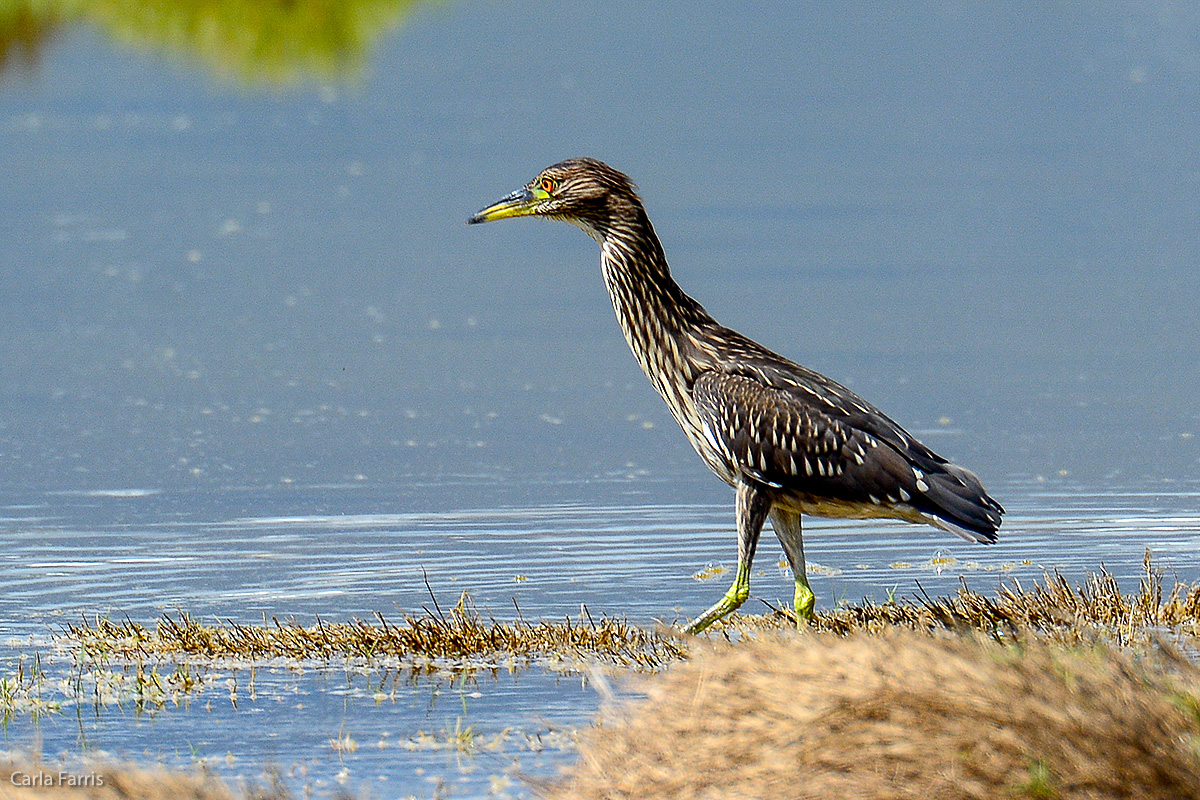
x: 961, y: 505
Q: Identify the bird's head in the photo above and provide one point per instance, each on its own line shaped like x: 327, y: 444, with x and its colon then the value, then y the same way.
x: 583, y: 191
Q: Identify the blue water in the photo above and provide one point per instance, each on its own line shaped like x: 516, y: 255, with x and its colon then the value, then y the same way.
x: 255, y: 363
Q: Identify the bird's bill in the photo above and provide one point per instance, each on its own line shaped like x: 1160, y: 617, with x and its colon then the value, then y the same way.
x: 521, y: 203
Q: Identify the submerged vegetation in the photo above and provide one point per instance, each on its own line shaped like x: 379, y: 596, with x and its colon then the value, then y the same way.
x: 22, y: 691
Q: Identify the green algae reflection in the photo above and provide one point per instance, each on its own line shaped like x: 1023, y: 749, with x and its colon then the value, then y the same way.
x: 251, y: 42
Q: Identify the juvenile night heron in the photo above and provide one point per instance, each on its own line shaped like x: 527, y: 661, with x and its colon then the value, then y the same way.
x: 788, y: 439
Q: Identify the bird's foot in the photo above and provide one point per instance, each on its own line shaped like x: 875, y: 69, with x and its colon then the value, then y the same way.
x: 726, y: 605
x: 732, y: 600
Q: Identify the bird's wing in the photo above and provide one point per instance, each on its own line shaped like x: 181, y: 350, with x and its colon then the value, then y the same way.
x: 819, y: 439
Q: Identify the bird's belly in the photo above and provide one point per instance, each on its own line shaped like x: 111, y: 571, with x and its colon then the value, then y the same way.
x: 846, y: 509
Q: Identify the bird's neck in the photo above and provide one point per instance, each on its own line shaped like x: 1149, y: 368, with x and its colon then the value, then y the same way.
x: 659, y: 320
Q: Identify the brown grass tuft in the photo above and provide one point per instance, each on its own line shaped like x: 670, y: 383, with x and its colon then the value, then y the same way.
x: 425, y: 642
x: 903, y: 715
x: 1054, y: 610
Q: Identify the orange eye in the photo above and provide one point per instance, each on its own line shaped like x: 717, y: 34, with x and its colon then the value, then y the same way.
x: 548, y: 185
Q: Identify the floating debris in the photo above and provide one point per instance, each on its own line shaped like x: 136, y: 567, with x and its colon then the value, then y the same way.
x: 710, y: 571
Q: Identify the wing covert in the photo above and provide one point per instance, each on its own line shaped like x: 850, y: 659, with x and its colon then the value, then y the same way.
x: 801, y: 440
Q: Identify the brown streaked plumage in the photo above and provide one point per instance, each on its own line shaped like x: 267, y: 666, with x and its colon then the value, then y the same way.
x: 788, y: 439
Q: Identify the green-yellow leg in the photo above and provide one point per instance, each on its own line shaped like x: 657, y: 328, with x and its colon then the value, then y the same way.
x: 787, y: 527
x: 804, y: 601
x: 752, y: 508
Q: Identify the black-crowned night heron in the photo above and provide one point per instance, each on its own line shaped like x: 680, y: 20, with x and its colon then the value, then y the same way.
x: 788, y: 439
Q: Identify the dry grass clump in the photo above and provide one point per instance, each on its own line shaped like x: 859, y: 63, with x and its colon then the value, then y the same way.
x: 1054, y: 610
x: 434, y: 640
x: 35, y: 780
x: 902, y: 715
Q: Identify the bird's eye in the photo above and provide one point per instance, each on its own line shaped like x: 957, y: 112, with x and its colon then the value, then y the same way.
x: 548, y: 185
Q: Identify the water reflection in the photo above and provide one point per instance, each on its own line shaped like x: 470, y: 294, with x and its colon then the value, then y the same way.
x: 253, y: 42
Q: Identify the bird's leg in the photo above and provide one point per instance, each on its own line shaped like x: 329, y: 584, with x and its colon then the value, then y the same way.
x: 787, y: 528
x: 753, y: 506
